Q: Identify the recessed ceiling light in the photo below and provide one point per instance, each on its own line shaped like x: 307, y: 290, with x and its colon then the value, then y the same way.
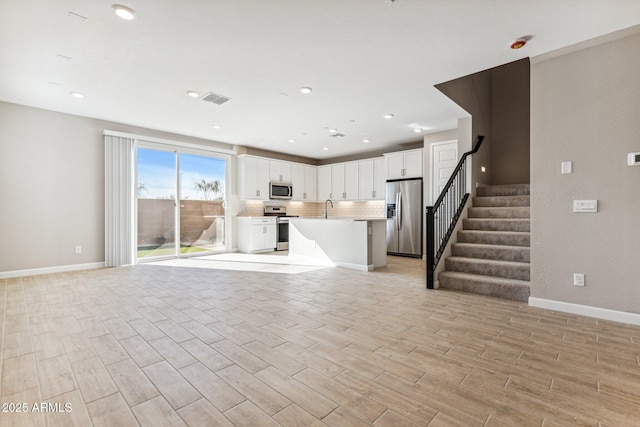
x: 292, y: 140
x: 193, y: 94
x: 417, y: 130
x: 366, y: 141
x: 305, y: 89
x: 332, y: 130
x: 216, y: 125
x: 325, y: 148
x: 76, y: 95
x: 388, y: 116
x: 124, y: 12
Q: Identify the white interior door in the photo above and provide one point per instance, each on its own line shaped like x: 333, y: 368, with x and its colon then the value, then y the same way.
x: 444, y: 158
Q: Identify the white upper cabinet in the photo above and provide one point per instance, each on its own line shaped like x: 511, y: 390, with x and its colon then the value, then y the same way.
x: 351, y: 181
x: 253, y: 178
x: 372, y: 179
x: 310, y: 183
x: 404, y: 164
x: 279, y: 171
x: 304, y: 181
x: 297, y: 181
x: 324, y: 183
x: 337, y: 182
x: 344, y: 181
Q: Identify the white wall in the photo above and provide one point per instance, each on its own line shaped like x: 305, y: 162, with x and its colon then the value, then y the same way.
x: 585, y: 108
x: 52, y: 186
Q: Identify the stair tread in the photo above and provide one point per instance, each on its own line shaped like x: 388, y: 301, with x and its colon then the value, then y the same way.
x: 495, y: 231
x: 487, y: 245
x: 500, y: 207
x: 499, y: 219
x: 502, y: 201
x: 504, y: 190
x: 489, y: 261
x: 486, y: 279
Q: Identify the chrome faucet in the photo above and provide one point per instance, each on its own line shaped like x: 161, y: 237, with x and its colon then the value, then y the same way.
x: 325, y: 207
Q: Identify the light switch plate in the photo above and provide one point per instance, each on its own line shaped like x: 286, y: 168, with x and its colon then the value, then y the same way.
x: 567, y: 167
x: 633, y: 159
x: 578, y: 279
x: 587, y: 206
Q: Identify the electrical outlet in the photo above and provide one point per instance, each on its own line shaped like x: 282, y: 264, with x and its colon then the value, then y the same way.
x: 78, y: 249
x: 578, y: 279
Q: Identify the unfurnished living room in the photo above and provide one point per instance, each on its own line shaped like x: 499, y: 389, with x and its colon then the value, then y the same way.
x: 278, y: 213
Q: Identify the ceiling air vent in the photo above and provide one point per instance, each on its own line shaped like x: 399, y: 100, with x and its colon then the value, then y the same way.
x: 215, y: 98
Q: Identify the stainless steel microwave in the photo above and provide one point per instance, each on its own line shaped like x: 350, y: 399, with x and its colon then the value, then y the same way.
x: 280, y: 190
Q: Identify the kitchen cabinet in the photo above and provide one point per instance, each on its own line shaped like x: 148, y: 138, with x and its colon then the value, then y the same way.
x: 256, y: 234
x: 253, y: 178
x: 279, y: 171
x: 304, y: 181
x: 310, y: 183
x: 324, y: 183
x: 344, y: 181
x: 372, y: 179
x: 404, y: 164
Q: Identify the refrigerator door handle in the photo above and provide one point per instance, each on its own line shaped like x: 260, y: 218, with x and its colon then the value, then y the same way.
x: 397, y: 212
x: 399, y: 196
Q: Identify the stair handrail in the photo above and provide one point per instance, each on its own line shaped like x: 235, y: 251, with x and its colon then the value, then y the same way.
x: 446, y: 211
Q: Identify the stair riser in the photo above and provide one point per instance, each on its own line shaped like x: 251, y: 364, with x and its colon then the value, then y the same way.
x: 497, y: 238
x: 503, y: 190
x: 517, y: 272
x: 516, y: 212
x: 495, y: 224
x: 506, y: 291
x: 515, y: 254
x: 501, y: 201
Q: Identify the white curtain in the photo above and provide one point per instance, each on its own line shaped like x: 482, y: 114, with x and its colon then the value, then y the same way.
x: 119, y: 199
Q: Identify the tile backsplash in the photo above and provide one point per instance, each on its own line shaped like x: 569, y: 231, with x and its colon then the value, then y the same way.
x: 355, y: 209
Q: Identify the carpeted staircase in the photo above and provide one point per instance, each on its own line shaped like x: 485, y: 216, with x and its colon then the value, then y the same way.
x: 491, y: 256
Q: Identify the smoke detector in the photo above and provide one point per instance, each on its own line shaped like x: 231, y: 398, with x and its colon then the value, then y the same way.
x: 215, y: 98
x: 520, y: 42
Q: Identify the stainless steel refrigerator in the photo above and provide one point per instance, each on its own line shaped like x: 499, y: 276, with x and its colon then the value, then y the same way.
x: 404, y: 217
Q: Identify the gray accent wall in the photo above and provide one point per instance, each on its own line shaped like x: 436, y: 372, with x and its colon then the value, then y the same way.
x: 498, y: 101
x: 585, y: 108
x: 52, y: 186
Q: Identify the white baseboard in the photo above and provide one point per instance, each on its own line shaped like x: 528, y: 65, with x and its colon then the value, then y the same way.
x: 586, y: 310
x: 353, y: 266
x: 49, y: 270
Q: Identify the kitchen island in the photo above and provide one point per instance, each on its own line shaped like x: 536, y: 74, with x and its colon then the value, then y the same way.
x: 356, y: 243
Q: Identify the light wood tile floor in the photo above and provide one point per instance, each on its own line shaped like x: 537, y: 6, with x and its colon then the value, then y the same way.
x: 159, y: 345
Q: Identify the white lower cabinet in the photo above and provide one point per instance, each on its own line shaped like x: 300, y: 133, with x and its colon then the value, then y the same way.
x: 256, y: 234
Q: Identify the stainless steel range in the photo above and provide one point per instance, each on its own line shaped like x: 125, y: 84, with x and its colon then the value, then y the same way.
x: 282, y: 225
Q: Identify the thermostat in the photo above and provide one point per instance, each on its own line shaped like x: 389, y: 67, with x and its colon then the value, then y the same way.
x: 633, y: 159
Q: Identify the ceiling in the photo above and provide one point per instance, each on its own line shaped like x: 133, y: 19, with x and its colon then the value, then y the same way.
x: 362, y: 58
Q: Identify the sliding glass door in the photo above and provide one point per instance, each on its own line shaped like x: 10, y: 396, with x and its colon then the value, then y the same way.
x: 202, y: 206
x: 181, y: 203
x: 157, y: 191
